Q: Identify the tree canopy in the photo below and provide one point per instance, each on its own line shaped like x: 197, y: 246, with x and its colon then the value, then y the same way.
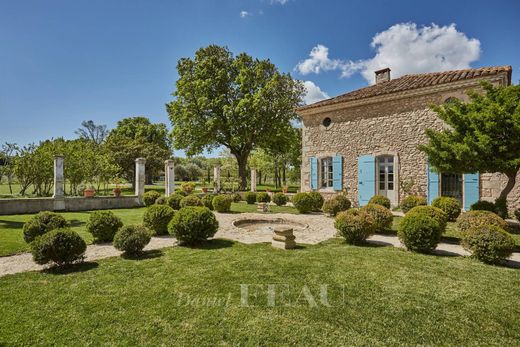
x: 92, y: 131
x: 237, y: 102
x: 483, y: 134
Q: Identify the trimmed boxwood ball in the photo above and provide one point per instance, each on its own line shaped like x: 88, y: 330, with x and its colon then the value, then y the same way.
x: 60, y: 246
x: 344, y: 202
x: 161, y: 200
x: 207, y: 200
x: 222, y: 203
x: 191, y: 200
x: 174, y: 201
x: 150, y: 197
x: 131, y: 239
x: 42, y: 223
x: 488, y: 243
x: 383, y: 217
x: 412, y: 201
x: 474, y: 219
x: 483, y: 205
x: 449, y: 205
x: 193, y: 224
x: 380, y: 200
x: 419, y: 232
x: 103, y: 225
x: 501, y: 208
x: 434, y: 212
x: 303, y: 202
x: 157, y: 217
x: 280, y: 199
x: 355, y: 225
x: 181, y: 192
x: 250, y: 198
x: 237, y: 197
x: 263, y: 197
x: 317, y: 200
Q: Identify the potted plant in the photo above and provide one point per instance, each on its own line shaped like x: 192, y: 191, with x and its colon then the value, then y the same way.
x: 205, y: 187
x: 89, y: 192
x: 117, y: 190
x: 285, y: 189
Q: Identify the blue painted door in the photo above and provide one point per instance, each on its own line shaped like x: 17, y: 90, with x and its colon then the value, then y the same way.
x: 314, y: 173
x: 471, y: 189
x: 337, y: 171
x: 433, y: 184
x: 366, y: 179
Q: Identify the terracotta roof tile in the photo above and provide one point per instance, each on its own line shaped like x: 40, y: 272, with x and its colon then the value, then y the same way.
x: 409, y: 82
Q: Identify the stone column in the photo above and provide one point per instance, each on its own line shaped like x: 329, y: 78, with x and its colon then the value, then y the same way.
x: 253, y: 179
x: 216, y: 178
x: 59, y: 179
x: 140, y: 178
x: 169, y: 177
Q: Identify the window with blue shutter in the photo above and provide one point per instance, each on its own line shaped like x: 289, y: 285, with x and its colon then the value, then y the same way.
x: 314, y: 173
x: 471, y: 189
x: 366, y: 179
x: 337, y: 170
x: 433, y: 184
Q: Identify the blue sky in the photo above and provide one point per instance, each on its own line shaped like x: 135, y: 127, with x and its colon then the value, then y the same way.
x: 62, y: 62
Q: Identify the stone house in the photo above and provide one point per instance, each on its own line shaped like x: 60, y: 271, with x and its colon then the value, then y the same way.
x: 365, y: 142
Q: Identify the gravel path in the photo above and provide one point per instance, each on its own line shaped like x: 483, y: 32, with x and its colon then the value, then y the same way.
x: 317, y: 228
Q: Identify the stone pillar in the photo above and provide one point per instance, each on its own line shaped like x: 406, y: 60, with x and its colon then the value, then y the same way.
x: 169, y: 177
x: 283, y: 238
x: 216, y: 178
x: 140, y: 178
x: 253, y: 179
x: 59, y: 179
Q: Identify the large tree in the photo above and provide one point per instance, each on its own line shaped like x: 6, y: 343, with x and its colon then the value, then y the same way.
x: 237, y: 102
x: 92, y: 131
x: 483, y: 135
x: 136, y: 137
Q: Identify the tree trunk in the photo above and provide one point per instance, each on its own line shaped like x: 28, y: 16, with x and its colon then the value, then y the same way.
x: 511, y: 181
x: 276, y: 175
x: 242, y: 168
x: 284, y: 176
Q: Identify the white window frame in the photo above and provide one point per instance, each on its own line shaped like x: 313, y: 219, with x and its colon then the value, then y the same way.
x: 326, y: 171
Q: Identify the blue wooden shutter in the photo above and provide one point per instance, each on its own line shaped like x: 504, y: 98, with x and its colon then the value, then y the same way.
x: 366, y: 179
x: 314, y: 173
x: 471, y: 189
x: 433, y: 184
x: 337, y: 171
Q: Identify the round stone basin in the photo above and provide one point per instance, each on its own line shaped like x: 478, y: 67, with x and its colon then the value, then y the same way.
x: 268, y: 224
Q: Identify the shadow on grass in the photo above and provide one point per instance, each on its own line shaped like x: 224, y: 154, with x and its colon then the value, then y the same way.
x: 71, y: 268
x: 210, y: 244
x: 375, y: 243
x: 151, y: 254
x: 11, y: 224
x: 76, y: 223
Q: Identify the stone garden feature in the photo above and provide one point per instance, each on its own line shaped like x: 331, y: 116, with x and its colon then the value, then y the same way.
x: 253, y: 179
x: 140, y: 177
x: 216, y: 178
x: 283, y: 238
x: 169, y: 179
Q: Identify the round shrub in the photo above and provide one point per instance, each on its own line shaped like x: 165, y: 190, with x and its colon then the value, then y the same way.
x: 488, y: 243
x: 483, y: 205
x: 476, y: 219
x: 263, y: 197
x: 42, y: 223
x: 280, y: 199
x: 303, y: 202
x: 191, y: 200
x: 331, y: 207
x: 382, y: 216
x: 317, y: 200
x: 380, y: 200
x: 344, y: 202
x: 222, y: 203
x: 161, y: 200
x: 501, y: 208
x: 157, y: 217
x: 174, y: 201
x: 419, y: 232
x: 150, y: 197
x: 250, y: 198
x: 207, y: 201
x: 237, y: 197
x: 412, y: 201
x: 355, y: 225
x: 181, y: 192
x: 517, y: 214
x: 131, y: 239
x: 193, y: 224
x: 188, y: 187
x: 103, y: 225
x: 60, y: 246
x: 434, y: 212
x: 449, y: 205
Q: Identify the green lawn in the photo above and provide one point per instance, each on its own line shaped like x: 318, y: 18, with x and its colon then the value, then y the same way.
x: 192, y: 296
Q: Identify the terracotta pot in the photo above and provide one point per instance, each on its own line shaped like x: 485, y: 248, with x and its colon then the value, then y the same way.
x: 285, y: 190
x: 205, y: 190
x: 88, y: 193
x: 116, y: 192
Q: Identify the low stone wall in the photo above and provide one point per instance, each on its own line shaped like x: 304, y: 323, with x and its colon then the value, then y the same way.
x: 34, y: 205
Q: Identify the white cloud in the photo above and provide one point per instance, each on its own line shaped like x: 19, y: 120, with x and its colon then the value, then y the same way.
x: 405, y: 49
x: 314, y: 93
x: 244, y: 14
x: 279, y: 2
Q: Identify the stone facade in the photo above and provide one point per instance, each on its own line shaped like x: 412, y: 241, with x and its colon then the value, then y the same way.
x: 392, y: 124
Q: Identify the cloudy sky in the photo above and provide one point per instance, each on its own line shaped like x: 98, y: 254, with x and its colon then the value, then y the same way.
x: 64, y: 61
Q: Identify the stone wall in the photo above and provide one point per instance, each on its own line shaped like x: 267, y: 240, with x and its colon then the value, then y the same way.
x: 34, y: 205
x: 393, y: 126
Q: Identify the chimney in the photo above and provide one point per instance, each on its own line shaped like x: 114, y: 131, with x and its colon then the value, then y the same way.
x: 382, y: 75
